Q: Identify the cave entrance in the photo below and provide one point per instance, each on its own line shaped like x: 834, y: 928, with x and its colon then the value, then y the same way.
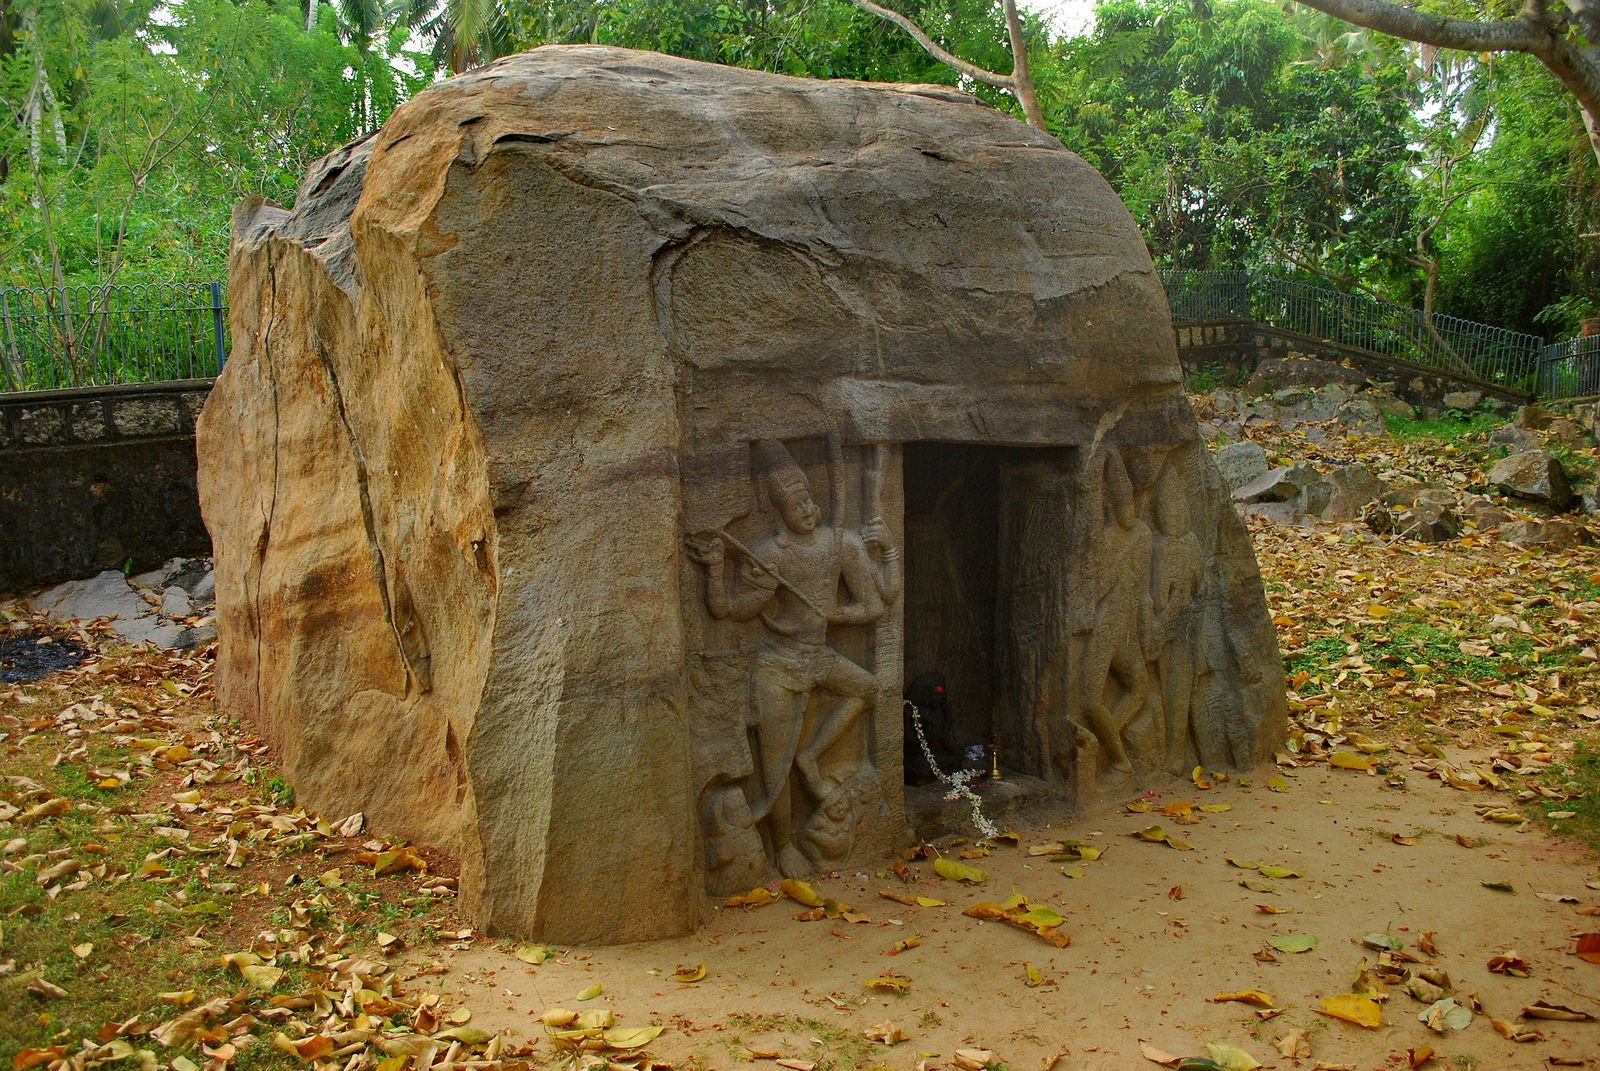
x: 988, y: 544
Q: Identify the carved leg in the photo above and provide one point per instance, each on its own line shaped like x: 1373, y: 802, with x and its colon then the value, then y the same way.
x: 780, y: 712
x: 1097, y: 713
x: 856, y: 686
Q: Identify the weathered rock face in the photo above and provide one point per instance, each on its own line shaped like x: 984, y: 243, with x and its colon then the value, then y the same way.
x: 610, y: 438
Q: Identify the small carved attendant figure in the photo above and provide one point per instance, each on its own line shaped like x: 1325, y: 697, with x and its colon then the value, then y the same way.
x: 792, y: 581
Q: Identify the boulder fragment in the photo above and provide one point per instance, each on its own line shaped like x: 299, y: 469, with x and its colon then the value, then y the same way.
x: 1533, y: 476
x: 1241, y: 462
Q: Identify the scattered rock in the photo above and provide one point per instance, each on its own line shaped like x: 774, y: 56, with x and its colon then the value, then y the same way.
x: 1390, y: 406
x: 1534, y: 476
x: 175, y: 603
x: 1532, y: 418
x: 1277, y: 372
x: 1464, y: 401
x: 1589, y: 499
x: 1414, y: 493
x: 132, y: 607
x: 1515, y: 439
x: 1325, y: 402
x: 1275, y: 485
x: 1427, y: 522
x: 1241, y: 462
x: 1285, y: 495
x: 1483, y: 514
x: 1564, y: 431
x: 1551, y: 532
x: 1361, y: 415
x: 1351, y: 490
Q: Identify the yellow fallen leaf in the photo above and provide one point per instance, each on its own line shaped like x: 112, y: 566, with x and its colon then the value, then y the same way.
x: 532, y: 954
x: 1352, y: 1008
x: 1231, y: 1057
x: 1347, y: 760
x: 308, y: 1049
x: 928, y: 901
x: 1244, y: 996
x: 262, y: 977
x: 590, y: 992
x: 689, y: 975
x: 954, y: 871
x: 885, y: 1033
x: 800, y: 892
x: 889, y: 983
x: 630, y: 1037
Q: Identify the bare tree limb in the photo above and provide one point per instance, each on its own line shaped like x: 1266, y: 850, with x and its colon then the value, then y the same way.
x: 1018, y: 83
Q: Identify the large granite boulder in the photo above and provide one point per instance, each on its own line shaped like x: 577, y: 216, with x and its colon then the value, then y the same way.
x: 610, y: 438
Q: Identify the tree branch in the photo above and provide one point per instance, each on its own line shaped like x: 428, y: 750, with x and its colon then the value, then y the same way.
x: 961, y: 66
x: 1017, y: 83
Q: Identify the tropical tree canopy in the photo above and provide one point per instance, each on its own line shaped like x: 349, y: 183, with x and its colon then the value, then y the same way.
x: 1240, y: 136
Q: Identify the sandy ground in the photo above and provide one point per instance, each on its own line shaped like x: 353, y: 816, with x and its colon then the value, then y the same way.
x: 1154, y: 933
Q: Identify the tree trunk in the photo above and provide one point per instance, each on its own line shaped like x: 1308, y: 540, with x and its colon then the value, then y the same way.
x: 1021, y: 80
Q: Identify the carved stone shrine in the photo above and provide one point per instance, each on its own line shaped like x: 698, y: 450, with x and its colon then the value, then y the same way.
x: 611, y: 438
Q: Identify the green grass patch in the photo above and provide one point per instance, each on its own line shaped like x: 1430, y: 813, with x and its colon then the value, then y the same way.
x: 119, y: 896
x: 1413, y: 644
x: 1579, y: 779
x: 1451, y: 426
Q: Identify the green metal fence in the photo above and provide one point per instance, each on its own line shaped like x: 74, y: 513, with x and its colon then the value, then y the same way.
x: 94, y: 336
x: 1446, y: 343
x: 83, y: 336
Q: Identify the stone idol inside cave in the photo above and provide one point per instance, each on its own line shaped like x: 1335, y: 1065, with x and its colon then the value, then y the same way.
x: 612, y: 439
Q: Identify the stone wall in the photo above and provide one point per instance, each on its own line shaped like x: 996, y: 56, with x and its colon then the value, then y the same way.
x: 97, y: 479
x: 1239, y: 345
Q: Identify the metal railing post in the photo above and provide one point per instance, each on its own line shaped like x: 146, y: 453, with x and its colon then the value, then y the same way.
x: 218, y: 324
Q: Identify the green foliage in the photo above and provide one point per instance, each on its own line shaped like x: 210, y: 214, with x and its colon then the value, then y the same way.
x: 164, y: 119
x: 1236, y: 144
x: 1511, y: 253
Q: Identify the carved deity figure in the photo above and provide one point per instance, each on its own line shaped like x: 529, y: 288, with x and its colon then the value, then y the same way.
x: 792, y: 581
x: 1118, y: 633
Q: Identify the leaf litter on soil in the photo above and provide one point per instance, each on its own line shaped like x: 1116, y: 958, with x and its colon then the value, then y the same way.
x: 311, y: 940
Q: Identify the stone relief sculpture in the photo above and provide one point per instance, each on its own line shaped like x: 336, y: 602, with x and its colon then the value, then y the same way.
x: 799, y: 581
x: 1176, y: 575
x: 1117, y: 628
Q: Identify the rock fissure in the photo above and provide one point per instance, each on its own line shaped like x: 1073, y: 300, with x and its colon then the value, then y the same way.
x: 380, y: 570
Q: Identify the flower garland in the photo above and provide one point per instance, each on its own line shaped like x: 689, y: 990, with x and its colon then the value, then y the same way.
x: 958, y: 785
